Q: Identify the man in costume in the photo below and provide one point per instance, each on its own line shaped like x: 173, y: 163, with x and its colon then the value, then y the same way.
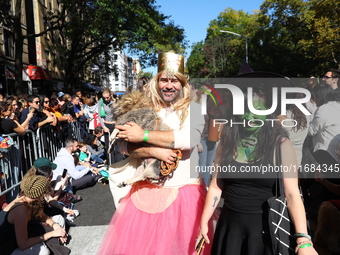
x: 162, y: 219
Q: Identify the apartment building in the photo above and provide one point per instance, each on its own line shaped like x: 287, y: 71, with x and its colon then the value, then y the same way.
x: 7, y: 53
x: 42, y: 63
x: 41, y: 71
x: 124, y: 77
x: 44, y: 69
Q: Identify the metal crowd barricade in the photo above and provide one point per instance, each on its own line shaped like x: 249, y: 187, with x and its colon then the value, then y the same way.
x: 76, y: 131
x: 49, y: 141
x: 15, y: 162
x: 28, y: 148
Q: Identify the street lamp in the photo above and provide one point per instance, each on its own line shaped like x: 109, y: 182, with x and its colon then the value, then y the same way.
x: 233, y: 33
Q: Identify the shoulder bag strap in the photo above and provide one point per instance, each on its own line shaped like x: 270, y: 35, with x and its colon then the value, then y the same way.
x: 278, y: 162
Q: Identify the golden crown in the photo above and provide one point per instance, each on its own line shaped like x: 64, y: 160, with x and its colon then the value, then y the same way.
x: 171, y: 63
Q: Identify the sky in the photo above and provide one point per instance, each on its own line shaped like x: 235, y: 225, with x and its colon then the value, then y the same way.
x: 195, y: 15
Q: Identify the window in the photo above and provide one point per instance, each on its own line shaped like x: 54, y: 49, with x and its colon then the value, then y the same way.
x: 47, y: 55
x: 9, y: 43
x: 53, y: 56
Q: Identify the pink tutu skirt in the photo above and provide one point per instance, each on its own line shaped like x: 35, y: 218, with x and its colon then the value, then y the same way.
x: 154, y: 221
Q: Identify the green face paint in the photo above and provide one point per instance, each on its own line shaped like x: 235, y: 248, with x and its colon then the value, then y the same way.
x: 247, y: 144
x: 252, y: 127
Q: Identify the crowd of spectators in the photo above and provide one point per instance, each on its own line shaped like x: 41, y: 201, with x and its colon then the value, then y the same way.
x: 61, y: 112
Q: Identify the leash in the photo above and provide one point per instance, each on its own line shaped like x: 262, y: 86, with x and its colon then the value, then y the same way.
x: 168, y: 168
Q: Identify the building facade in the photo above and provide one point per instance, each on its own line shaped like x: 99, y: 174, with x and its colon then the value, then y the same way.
x: 123, y: 78
x: 42, y: 62
x: 7, y: 50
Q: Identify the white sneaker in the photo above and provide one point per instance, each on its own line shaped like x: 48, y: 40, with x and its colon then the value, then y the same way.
x: 76, y: 213
x: 70, y: 217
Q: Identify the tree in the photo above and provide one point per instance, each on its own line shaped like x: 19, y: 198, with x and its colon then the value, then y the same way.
x: 96, y: 27
x: 221, y: 54
x: 300, y: 38
x: 294, y: 38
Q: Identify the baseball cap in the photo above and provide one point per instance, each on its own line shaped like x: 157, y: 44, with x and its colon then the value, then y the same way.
x: 44, y: 162
x: 60, y: 94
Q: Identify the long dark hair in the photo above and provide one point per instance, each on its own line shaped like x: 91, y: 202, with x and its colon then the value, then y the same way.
x: 323, y: 94
x: 267, y: 137
x: 298, y: 115
x: 45, y: 171
x: 90, y: 139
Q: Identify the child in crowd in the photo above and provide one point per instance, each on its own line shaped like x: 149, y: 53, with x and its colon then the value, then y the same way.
x: 84, y: 154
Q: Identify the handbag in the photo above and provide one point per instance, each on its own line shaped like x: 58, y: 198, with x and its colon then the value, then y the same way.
x: 280, y: 225
x: 96, y: 121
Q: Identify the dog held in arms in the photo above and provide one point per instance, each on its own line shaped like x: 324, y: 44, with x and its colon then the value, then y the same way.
x: 135, y: 107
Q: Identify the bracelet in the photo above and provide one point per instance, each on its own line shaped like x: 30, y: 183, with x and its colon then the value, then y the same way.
x: 146, y: 136
x: 297, y: 235
x: 303, y: 242
x: 55, y: 223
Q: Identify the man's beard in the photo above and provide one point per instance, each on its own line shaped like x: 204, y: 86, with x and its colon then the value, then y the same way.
x: 173, y: 97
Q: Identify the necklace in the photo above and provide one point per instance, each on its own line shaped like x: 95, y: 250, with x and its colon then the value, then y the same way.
x: 248, y: 143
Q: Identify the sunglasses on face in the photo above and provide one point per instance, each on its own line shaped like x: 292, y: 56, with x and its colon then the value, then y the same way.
x: 36, y: 102
x: 46, y: 102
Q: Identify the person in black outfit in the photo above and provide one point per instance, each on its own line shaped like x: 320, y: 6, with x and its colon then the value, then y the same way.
x: 243, y: 226
x: 8, y: 125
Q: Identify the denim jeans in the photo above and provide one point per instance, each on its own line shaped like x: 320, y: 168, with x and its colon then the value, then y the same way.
x: 97, y: 158
x: 206, y: 158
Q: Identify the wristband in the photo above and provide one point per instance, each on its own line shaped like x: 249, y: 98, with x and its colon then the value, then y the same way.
x: 305, y: 245
x: 146, y: 136
x: 297, y: 235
